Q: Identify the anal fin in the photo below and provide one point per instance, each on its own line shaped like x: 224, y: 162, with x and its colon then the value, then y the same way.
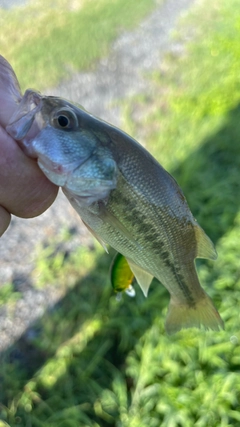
x: 143, y: 278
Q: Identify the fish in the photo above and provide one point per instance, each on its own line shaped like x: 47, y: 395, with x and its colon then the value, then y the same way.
x: 123, y: 195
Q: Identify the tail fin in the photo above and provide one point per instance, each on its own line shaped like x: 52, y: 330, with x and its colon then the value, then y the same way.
x: 182, y: 316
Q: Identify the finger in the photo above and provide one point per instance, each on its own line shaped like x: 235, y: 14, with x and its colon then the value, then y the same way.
x: 24, y: 189
x: 10, y: 93
x: 5, y: 219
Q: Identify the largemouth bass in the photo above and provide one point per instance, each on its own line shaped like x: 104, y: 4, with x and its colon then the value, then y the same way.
x: 124, y: 197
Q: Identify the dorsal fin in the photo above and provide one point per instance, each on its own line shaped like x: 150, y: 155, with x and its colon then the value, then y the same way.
x: 143, y: 278
x: 205, y: 247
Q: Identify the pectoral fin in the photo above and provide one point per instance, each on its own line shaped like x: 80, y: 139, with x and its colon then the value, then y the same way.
x: 205, y: 247
x: 117, y: 225
x: 96, y: 237
x: 143, y: 278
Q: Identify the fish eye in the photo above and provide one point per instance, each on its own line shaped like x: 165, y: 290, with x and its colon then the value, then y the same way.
x: 65, y: 119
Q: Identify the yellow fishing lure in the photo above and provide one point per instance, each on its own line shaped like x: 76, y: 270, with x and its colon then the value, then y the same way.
x: 121, y: 276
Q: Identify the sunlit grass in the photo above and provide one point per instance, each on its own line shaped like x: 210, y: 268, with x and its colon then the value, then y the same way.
x: 184, y: 108
x: 47, y: 41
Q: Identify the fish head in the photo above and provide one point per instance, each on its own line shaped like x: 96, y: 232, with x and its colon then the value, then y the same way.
x: 63, y: 139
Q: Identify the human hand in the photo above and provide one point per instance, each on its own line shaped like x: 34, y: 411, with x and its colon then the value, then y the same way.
x: 24, y: 189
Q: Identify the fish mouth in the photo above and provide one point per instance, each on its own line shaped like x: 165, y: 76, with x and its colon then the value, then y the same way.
x: 59, y: 173
x: 22, y: 126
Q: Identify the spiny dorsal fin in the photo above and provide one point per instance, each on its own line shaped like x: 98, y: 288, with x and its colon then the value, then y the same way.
x: 143, y: 278
x: 205, y: 247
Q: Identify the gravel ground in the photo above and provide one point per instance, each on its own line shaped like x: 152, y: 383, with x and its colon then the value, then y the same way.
x: 118, y: 76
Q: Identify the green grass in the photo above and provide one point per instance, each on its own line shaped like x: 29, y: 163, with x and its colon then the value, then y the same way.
x: 98, y: 362
x: 47, y: 41
x: 8, y: 294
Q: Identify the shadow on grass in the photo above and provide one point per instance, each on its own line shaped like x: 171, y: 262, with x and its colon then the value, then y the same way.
x: 210, y: 180
x: 81, y: 344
